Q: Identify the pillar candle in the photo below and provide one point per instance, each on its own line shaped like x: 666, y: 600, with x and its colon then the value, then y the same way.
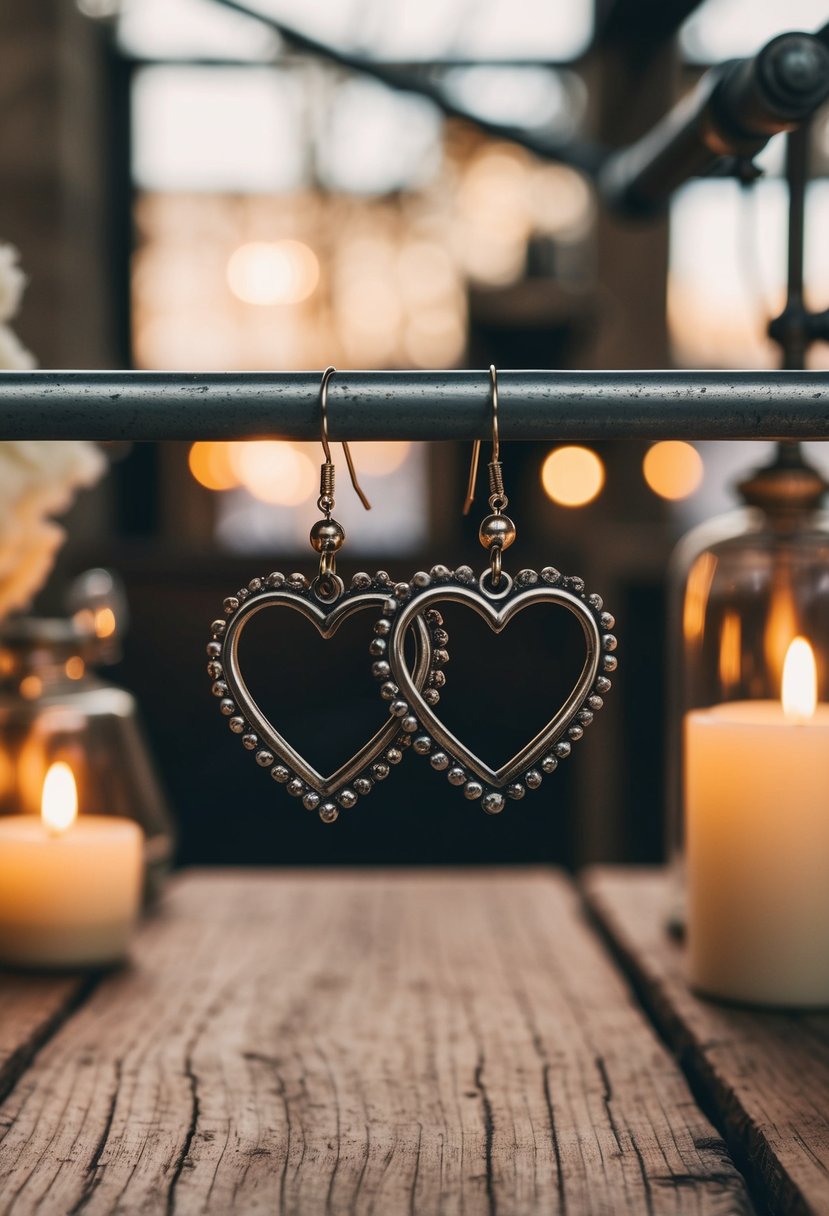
x: 70, y: 888
x: 757, y: 824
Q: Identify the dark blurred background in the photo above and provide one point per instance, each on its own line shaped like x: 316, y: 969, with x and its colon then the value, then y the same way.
x: 191, y: 188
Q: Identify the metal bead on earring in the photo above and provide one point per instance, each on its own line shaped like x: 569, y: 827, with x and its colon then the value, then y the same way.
x: 497, y: 530
x: 327, y: 535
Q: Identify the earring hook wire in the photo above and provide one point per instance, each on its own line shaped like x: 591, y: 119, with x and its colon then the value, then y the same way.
x: 476, y: 446
x: 326, y: 442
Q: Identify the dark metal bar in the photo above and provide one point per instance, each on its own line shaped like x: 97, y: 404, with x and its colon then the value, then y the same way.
x: 790, y: 329
x: 734, y: 111
x: 798, y: 327
x: 539, y: 405
x: 797, y: 175
x: 641, y: 20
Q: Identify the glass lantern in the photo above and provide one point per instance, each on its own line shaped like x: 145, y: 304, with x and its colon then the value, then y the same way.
x: 742, y: 588
x: 54, y: 707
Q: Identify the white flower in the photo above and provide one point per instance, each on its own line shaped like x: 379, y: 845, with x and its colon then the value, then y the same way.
x: 12, y: 282
x: 27, y: 554
x: 38, y: 478
x: 49, y: 469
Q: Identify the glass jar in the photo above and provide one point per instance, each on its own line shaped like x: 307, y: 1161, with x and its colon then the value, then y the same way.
x: 54, y: 707
x: 742, y: 587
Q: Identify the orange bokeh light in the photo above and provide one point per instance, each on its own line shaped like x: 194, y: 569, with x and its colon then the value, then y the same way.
x: 572, y: 476
x: 212, y: 465
x: 275, y: 472
x: 673, y: 469
x: 273, y: 272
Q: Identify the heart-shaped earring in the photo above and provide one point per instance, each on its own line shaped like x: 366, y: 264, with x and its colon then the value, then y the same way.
x: 498, y: 599
x: 325, y: 602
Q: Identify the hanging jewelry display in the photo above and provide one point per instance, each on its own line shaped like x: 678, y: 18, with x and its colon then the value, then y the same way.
x: 326, y: 603
x: 498, y: 599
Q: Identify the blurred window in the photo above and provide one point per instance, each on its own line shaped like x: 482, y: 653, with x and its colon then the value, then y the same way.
x: 192, y: 29
x: 531, y: 97
x: 375, y: 141
x: 217, y: 128
x: 440, y: 29
x: 727, y: 270
x: 729, y: 29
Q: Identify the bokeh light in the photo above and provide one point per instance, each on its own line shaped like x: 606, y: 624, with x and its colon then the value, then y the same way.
x: 493, y: 220
x: 273, y: 272
x: 673, y: 469
x: 380, y: 459
x: 560, y: 201
x: 427, y: 273
x: 435, y: 337
x: 275, y: 472
x: 572, y: 476
x: 212, y: 467
x: 105, y: 623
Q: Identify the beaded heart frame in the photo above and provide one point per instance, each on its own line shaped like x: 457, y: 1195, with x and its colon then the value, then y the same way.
x: 370, y: 764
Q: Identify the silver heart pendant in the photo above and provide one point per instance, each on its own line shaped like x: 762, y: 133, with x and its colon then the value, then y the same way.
x: 415, y: 708
x: 272, y: 751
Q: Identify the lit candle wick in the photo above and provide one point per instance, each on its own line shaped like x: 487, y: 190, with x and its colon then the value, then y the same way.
x: 799, y: 685
x: 59, y: 801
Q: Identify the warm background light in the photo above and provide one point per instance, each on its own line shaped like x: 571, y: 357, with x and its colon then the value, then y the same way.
x: 673, y: 469
x: 380, y: 459
x: 572, y: 476
x: 105, y: 623
x: 273, y: 272
x: 698, y: 589
x: 212, y: 467
x: 30, y: 687
x: 7, y: 773
x: 275, y: 472
x: 59, y: 803
x: 731, y: 632
x: 799, y: 692
x: 782, y: 622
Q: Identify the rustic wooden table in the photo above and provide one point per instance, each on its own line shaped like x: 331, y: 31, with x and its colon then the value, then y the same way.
x: 405, y: 1042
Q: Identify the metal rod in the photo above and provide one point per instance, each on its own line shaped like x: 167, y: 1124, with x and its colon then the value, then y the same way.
x: 734, y: 111
x: 540, y: 405
x: 795, y: 340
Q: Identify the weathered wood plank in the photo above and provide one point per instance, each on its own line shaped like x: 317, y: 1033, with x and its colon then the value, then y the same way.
x: 766, y: 1075
x: 382, y: 1043
x: 31, y: 1008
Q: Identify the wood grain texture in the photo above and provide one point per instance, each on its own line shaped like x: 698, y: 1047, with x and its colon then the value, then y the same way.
x: 766, y: 1075
x: 387, y: 1043
x: 31, y: 1009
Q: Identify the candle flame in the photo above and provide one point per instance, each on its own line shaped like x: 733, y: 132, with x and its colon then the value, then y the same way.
x: 59, y: 803
x: 799, y: 690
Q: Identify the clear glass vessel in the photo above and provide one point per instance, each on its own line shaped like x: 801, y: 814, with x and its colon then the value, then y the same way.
x: 741, y: 588
x: 54, y: 707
